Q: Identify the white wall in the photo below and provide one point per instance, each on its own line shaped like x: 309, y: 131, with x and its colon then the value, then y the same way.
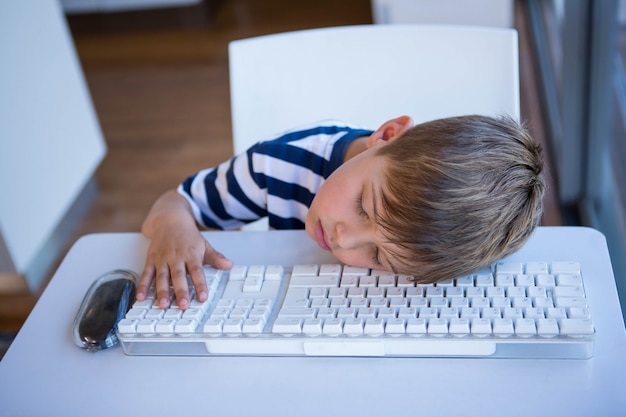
x: 50, y: 138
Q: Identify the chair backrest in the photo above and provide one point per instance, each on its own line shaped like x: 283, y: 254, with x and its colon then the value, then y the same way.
x: 368, y: 74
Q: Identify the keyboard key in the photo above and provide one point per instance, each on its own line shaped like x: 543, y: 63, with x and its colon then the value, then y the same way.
x: 576, y: 326
x: 512, y: 292
x: 238, y: 273
x: 534, y: 313
x: 503, y: 327
x: 510, y: 268
x: 416, y: 326
x: 491, y: 313
x: 535, y: 268
x: 287, y: 325
x: 185, y: 326
x: 366, y: 312
x: 386, y: 281
x: 390, y: 312
x: 354, y: 270
x: 313, y: 281
x: 427, y: 313
x: 570, y: 302
x: 213, y: 326
x: 448, y: 312
x: 525, y: 327
x: 405, y: 281
x: 349, y: 281
x: 480, y: 326
x: 353, y: 326
x: 524, y: 280
x: 252, y: 284
x: 467, y: 281
x: 569, y: 280
x: 146, y: 326
x: 136, y: 313
x: 232, y: 325
x: 437, y: 326
x: 165, y: 326
x: 547, y: 327
x: 127, y: 326
x: 303, y: 312
x: 310, y: 270
x: 473, y: 292
x: 367, y: 281
x: 395, y: 326
x: 257, y: 271
x: 556, y: 313
x: 253, y: 325
x: 147, y: 303
x: 470, y: 312
x: 374, y: 326
x: 534, y: 292
x: 453, y: 292
x: 332, y: 326
x: 576, y: 292
x: 154, y: 314
x: 505, y: 280
x: 544, y: 280
x: 274, y: 272
x: 484, y: 280
x: 565, y: 268
x: 312, y: 326
x: 578, y: 313
x: 512, y: 313
x: 330, y: 269
x: 459, y: 326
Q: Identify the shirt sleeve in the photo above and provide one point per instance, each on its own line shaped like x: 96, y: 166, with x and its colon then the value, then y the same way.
x: 216, y: 194
x: 277, y: 178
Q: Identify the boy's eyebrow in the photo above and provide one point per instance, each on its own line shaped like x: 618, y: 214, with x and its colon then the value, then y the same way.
x: 375, y: 211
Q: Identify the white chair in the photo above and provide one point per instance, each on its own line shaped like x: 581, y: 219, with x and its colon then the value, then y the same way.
x: 368, y: 74
x: 494, y: 13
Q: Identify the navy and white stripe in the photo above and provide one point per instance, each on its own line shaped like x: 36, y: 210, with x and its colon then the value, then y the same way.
x: 277, y: 178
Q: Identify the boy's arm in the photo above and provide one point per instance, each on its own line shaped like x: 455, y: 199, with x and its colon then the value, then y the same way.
x: 177, y: 248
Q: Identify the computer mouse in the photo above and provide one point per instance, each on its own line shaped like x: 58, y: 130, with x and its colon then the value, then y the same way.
x: 106, y: 302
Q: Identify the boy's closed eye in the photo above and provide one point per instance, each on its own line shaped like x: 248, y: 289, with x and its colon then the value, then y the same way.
x: 359, y: 206
x: 363, y: 213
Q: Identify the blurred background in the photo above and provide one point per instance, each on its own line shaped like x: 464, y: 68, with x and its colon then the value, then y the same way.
x: 106, y: 104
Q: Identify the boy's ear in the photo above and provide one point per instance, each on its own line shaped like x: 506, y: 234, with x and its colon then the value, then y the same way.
x: 390, y: 131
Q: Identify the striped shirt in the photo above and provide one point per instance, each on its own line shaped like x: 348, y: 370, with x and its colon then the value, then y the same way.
x: 277, y: 178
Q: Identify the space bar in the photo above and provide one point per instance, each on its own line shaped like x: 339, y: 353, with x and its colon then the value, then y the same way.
x: 401, y: 348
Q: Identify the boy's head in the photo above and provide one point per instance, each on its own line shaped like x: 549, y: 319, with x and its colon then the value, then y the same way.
x: 438, y: 200
x: 460, y: 193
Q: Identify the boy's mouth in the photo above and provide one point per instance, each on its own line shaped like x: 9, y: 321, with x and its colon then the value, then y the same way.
x: 320, y: 236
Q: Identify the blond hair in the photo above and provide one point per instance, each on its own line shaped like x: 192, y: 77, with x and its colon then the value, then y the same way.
x: 459, y: 194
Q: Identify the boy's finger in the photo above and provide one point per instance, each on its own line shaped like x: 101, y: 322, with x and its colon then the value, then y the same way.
x: 196, y: 272
x: 163, y: 287
x: 217, y: 260
x: 144, y: 282
x: 179, y: 281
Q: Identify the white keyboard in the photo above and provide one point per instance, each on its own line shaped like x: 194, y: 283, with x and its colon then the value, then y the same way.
x: 513, y: 310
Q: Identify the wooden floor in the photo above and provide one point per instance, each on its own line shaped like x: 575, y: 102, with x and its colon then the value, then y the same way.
x: 162, y: 97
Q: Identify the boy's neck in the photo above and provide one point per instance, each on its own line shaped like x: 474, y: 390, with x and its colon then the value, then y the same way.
x: 356, y: 147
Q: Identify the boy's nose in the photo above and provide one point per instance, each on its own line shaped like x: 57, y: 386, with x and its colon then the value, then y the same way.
x: 350, y: 236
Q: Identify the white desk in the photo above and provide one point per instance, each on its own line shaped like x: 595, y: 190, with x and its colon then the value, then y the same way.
x: 45, y: 374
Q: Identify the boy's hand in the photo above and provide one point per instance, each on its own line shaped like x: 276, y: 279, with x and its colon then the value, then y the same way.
x: 170, y: 259
x: 177, y: 248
